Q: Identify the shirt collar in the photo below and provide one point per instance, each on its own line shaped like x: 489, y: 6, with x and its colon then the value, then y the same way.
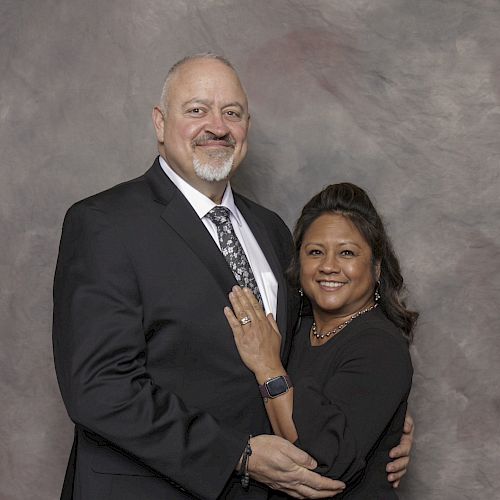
x: 201, y: 204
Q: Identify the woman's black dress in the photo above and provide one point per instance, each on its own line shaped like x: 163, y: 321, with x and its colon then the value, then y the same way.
x: 350, y: 398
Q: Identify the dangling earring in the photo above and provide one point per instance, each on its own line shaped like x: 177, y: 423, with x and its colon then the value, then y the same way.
x: 301, y: 292
x: 377, y: 291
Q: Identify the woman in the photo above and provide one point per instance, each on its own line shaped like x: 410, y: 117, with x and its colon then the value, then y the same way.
x: 350, y: 367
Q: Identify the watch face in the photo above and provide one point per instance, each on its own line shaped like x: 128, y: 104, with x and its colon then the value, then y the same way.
x: 276, y: 386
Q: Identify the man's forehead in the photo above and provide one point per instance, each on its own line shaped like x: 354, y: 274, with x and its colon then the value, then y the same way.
x: 195, y: 69
x: 197, y: 75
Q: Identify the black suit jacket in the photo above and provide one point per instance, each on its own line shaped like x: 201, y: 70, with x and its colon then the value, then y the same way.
x: 146, y: 363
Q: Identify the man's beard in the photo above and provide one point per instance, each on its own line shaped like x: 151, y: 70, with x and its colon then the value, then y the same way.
x: 216, y: 168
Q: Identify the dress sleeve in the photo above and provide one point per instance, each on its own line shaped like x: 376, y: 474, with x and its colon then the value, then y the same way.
x: 340, y: 423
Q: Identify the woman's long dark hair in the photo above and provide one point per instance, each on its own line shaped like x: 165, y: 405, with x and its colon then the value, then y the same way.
x: 352, y: 202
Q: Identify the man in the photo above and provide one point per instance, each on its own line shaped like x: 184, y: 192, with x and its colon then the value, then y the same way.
x: 146, y: 363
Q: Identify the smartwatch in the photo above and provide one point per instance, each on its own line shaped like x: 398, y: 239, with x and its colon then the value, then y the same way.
x: 275, y: 387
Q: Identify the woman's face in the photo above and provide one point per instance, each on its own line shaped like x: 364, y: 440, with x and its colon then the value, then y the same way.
x: 336, y: 270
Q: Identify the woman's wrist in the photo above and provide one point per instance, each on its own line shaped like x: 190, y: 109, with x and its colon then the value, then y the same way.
x: 265, y: 374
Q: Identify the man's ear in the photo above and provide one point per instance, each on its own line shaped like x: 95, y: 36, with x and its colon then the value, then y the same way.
x: 159, y: 123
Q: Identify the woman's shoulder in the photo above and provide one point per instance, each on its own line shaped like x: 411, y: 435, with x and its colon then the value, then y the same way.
x: 375, y: 336
x: 375, y: 323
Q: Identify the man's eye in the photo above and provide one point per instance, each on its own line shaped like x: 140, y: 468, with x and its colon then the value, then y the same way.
x: 195, y: 111
x: 233, y: 114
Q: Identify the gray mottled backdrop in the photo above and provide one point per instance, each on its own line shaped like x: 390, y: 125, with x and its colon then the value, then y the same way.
x: 399, y: 96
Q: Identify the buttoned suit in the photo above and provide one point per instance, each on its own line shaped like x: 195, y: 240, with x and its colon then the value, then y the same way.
x: 146, y: 362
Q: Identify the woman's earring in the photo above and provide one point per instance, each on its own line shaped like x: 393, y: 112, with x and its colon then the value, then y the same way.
x: 377, y: 291
x: 301, y: 292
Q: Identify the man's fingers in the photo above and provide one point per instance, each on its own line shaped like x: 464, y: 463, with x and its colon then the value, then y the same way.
x: 404, y: 447
x: 304, y: 491
x: 402, y: 450
x: 397, y: 466
x: 396, y: 476
x: 300, y: 457
x: 409, y: 425
x: 401, y: 453
x: 320, y: 484
x: 312, y: 485
x: 284, y: 467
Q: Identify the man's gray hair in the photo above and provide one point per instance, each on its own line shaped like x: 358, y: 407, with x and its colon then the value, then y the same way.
x: 178, y: 64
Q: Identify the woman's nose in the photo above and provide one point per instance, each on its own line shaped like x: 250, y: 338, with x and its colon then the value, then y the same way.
x: 330, y: 264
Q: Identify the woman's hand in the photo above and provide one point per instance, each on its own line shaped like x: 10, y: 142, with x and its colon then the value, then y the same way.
x: 259, y: 340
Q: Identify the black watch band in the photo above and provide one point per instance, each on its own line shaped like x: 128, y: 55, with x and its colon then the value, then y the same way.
x: 275, y: 387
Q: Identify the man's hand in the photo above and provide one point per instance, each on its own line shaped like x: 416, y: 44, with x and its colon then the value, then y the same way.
x: 282, y: 466
x: 401, y: 454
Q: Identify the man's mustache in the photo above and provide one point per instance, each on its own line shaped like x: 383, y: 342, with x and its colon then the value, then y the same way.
x: 204, y: 139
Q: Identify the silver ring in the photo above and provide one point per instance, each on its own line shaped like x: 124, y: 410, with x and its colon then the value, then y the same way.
x: 245, y: 320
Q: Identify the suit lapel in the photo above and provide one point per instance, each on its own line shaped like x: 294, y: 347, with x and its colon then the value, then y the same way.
x: 181, y: 217
x: 262, y: 236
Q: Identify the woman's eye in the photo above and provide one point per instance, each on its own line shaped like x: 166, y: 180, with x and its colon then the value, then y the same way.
x: 347, y: 253
x: 314, y: 252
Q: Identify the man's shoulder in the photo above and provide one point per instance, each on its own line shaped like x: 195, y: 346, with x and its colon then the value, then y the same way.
x: 264, y: 214
x: 124, y: 192
x: 123, y: 198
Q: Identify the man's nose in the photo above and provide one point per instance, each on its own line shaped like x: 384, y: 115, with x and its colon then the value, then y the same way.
x: 216, y: 124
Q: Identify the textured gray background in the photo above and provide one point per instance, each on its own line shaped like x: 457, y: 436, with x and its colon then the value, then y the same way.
x: 399, y: 96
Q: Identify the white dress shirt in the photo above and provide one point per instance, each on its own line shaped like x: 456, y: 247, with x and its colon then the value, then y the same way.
x: 266, y: 281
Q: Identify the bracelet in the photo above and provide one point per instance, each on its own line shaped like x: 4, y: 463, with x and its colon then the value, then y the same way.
x: 245, y: 477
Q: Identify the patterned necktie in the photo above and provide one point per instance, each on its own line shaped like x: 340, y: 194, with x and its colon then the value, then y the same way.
x: 232, y: 250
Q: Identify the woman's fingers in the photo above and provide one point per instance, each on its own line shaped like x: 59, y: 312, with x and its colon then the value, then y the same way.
x: 254, y: 303
x: 273, y: 323
x: 232, y: 320
x: 245, y: 304
x: 235, y: 297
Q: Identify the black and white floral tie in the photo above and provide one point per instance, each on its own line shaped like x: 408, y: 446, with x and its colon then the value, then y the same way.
x: 232, y: 250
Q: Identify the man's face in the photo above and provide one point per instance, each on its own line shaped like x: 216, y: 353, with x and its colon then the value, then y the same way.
x: 203, y: 134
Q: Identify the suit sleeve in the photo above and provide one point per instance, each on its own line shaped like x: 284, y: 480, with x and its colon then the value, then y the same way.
x: 340, y: 423
x: 100, y: 356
